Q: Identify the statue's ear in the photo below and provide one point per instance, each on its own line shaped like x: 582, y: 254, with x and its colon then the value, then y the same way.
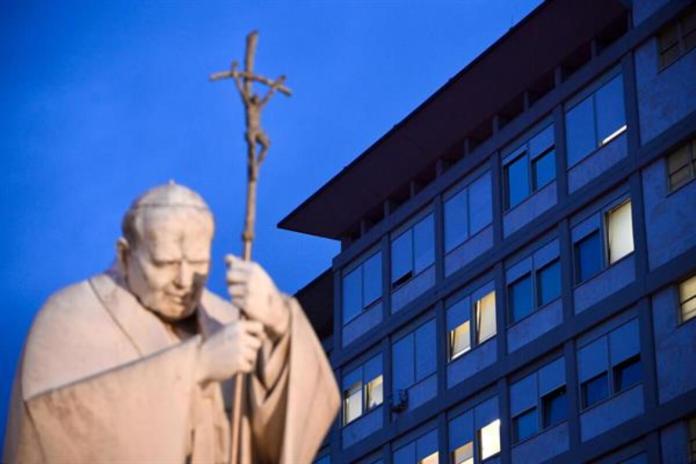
x: 122, y: 254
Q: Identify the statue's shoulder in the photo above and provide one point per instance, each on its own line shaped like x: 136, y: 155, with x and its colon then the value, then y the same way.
x: 68, y: 302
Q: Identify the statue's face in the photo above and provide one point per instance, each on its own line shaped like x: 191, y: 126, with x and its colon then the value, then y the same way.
x: 167, y: 267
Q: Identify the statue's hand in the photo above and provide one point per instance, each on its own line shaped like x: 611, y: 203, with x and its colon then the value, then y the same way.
x: 254, y: 293
x: 230, y: 350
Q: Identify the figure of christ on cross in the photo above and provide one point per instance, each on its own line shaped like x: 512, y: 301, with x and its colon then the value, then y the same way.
x: 257, y: 140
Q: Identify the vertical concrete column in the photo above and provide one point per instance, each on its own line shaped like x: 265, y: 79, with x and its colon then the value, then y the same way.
x: 505, y: 423
x: 561, y: 158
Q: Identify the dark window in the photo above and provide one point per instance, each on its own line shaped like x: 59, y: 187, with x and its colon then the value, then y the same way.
x: 517, y: 174
x: 362, y: 286
x: 692, y: 439
x: 413, y: 251
x: 543, y: 170
x: 554, y: 407
x: 595, y: 390
x: 627, y: 374
x: 596, y: 120
x: 681, y: 165
x: 524, y: 425
x: 588, y: 257
x: 677, y: 39
x: 521, y: 298
x: 456, y: 224
x: 549, y: 283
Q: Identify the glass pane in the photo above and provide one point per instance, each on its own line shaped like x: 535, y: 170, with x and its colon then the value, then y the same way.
x: 403, y: 365
x: 620, y: 232
x: 432, y: 459
x: 687, y: 298
x: 374, y: 394
x: 372, y: 279
x: 555, y: 407
x: 352, y: 403
x: 580, y: 131
x: 627, y: 374
x: 609, y: 106
x: 544, y: 169
x: 460, y: 340
x: 678, y: 159
x: 524, y: 425
x: 352, y: 295
x: 549, y: 282
x: 489, y: 437
x: 595, y: 390
x: 669, y: 55
x: 424, y: 244
x: 402, y: 258
x: 464, y: 454
x: 426, y: 350
x: 480, y: 203
x: 680, y: 177
x: 588, y: 257
x: 485, y: 318
x: 517, y: 178
x: 521, y: 298
x: 668, y: 37
x: 455, y: 221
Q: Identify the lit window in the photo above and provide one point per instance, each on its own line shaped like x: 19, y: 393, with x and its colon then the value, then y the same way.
x: 687, y: 299
x: 681, y: 165
x: 485, y: 318
x: 554, y: 407
x: 677, y: 38
x: 619, y: 232
x: 362, y: 287
x: 352, y: 403
x: 549, y: 283
x: 533, y: 167
x: 464, y: 454
x: 521, y: 298
x: 413, y: 251
x: 489, y: 437
x: 627, y: 374
x: 430, y: 459
x: 524, y: 425
x: 596, y: 120
x: 588, y: 257
x: 374, y: 393
x: 460, y: 340
x: 595, y: 390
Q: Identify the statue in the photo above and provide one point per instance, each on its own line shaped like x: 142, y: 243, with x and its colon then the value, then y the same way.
x: 137, y: 364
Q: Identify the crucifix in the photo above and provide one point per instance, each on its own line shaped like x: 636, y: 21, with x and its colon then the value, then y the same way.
x: 257, y: 140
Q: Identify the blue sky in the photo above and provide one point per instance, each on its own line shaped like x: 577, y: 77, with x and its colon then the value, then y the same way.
x: 102, y: 100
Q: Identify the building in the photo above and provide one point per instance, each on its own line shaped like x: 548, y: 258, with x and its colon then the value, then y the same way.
x: 517, y: 276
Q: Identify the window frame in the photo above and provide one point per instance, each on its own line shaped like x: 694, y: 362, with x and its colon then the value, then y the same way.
x: 359, y: 265
x: 410, y: 229
x: 535, y: 281
x: 690, y: 146
x: 464, y: 187
x: 677, y: 26
x: 680, y: 302
x: 364, y: 384
x: 602, y: 229
x: 473, y: 322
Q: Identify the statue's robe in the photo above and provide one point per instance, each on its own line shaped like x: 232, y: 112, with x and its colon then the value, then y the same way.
x: 104, y: 380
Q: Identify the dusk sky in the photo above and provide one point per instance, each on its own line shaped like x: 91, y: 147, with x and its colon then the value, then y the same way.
x: 103, y: 100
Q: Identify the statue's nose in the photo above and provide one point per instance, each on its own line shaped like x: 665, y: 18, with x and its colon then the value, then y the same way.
x: 184, y: 276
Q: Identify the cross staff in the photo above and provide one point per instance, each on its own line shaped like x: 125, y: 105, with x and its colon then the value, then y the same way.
x: 257, y: 140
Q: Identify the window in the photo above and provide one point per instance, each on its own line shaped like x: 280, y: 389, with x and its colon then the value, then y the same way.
x: 549, y: 282
x: 489, y: 437
x: 588, y: 257
x: 521, y: 298
x: 533, y: 166
x: 687, y: 299
x: 362, y: 287
x: 422, y: 450
x: 414, y: 357
x: 610, y: 364
x: 619, y: 232
x: 618, y: 236
x: 467, y: 212
x: 681, y: 165
x: 476, y: 432
x: 362, y: 389
x: 461, y: 337
x: 595, y: 390
x: 596, y: 120
x: 413, y: 251
x: 677, y: 39
x: 538, y: 401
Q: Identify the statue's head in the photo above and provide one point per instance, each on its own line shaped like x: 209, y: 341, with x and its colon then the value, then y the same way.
x: 164, y: 253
